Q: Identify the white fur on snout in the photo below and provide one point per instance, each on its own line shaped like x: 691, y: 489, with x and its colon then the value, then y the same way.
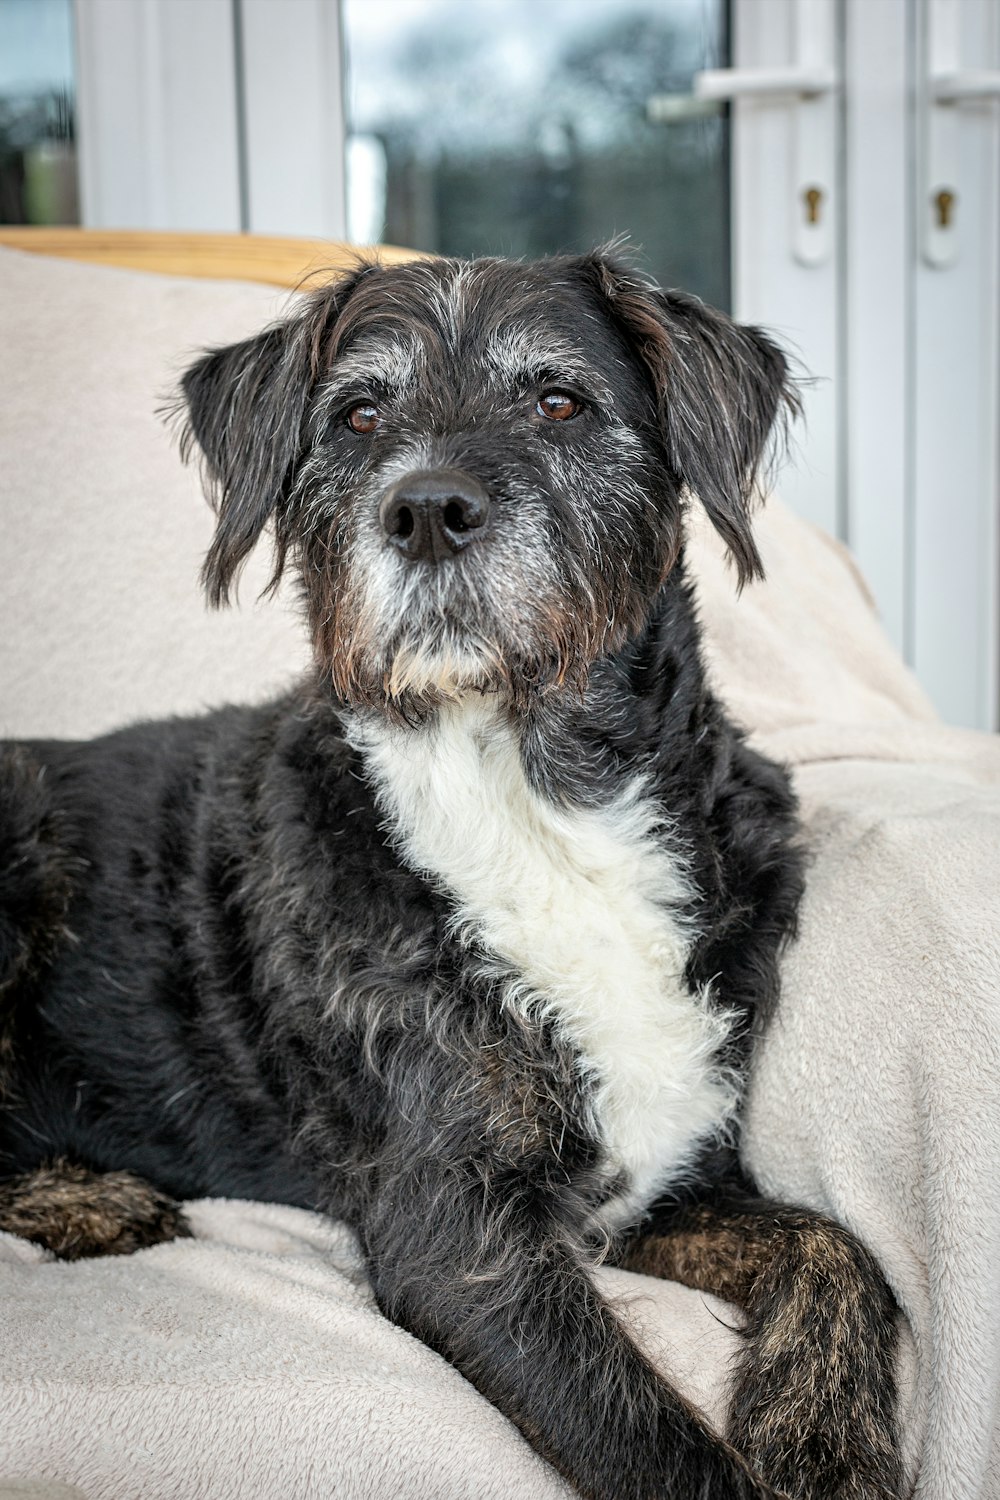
x: 445, y: 624
x: 580, y: 906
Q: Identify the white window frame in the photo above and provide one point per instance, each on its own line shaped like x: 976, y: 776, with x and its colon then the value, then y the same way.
x: 211, y: 115
x: 954, y: 480
x: 158, y: 121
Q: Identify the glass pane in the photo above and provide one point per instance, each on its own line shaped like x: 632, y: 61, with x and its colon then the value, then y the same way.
x: 38, y: 179
x: 513, y: 127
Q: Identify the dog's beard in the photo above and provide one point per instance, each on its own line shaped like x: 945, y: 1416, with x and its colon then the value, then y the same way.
x: 519, y: 615
x: 418, y: 670
x: 405, y: 641
x: 440, y: 670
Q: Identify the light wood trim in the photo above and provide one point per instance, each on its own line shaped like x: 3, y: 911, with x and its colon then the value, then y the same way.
x: 274, y: 259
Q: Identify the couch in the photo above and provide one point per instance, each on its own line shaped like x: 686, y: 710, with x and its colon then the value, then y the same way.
x: 251, y: 1361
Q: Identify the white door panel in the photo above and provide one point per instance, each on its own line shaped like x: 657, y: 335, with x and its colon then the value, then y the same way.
x: 900, y: 325
x: 772, y: 284
x: 877, y: 292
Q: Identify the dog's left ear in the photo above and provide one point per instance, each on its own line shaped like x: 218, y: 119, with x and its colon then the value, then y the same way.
x: 721, y: 390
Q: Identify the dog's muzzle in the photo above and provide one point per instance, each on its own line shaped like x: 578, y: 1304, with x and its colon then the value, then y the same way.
x: 433, y: 514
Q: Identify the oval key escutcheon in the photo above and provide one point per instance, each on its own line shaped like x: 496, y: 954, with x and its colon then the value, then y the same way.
x: 813, y: 197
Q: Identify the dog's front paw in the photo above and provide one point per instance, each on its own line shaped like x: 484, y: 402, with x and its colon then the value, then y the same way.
x: 77, y: 1213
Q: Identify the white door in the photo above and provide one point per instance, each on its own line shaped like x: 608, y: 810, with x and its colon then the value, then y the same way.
x: 889, y: 110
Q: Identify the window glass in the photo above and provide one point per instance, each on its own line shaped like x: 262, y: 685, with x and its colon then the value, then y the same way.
x: 519, y: 127
x: 38, y: 178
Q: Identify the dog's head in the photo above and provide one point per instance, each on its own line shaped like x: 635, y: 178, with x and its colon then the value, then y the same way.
x: 478, y: 468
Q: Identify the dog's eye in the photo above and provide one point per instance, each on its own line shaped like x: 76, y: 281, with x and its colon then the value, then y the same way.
x: 557, y: 406
x: 363, y: 418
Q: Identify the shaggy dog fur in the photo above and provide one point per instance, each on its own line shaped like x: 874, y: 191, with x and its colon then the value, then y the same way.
x: 466, y: 939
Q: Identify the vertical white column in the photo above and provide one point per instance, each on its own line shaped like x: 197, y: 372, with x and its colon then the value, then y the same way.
x: 956, y: 466
x: 156, y: 91
x: 878, y: 287
x: 293, y: 117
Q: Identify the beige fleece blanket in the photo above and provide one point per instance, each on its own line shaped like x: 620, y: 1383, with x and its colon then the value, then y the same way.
x: 250, y: 1363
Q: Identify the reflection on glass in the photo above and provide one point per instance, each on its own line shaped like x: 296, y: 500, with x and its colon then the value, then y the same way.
x: 38, y: 176
x: 510, y: 127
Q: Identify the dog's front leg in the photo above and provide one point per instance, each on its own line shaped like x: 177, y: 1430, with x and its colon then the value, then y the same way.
x: 472, y: 1259
x: 813, y: 1395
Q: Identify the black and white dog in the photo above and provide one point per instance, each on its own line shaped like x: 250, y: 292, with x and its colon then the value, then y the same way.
x: 465, y: 940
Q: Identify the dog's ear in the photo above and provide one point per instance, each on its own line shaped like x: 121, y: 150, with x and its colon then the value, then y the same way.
x: 721, y: 390
x: 245, y: 406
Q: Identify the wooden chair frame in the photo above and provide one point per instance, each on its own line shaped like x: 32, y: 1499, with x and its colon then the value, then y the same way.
x: 275, y: 259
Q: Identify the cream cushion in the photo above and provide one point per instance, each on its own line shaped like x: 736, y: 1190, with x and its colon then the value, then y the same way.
x: 101, y: 615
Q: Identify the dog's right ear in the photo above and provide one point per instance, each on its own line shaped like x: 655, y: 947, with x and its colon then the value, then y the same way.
x: 245, y: 406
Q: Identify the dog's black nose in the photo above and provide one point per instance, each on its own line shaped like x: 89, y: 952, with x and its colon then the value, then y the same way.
x: 433, y: 514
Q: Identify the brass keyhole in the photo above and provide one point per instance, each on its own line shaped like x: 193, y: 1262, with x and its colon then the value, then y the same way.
x: 944, y: 202
x: 813, y: 197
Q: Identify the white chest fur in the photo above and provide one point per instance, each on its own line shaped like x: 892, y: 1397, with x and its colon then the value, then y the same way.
x: 580, y: 904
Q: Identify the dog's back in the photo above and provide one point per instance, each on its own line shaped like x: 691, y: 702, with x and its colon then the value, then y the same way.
x: 108, y: 879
